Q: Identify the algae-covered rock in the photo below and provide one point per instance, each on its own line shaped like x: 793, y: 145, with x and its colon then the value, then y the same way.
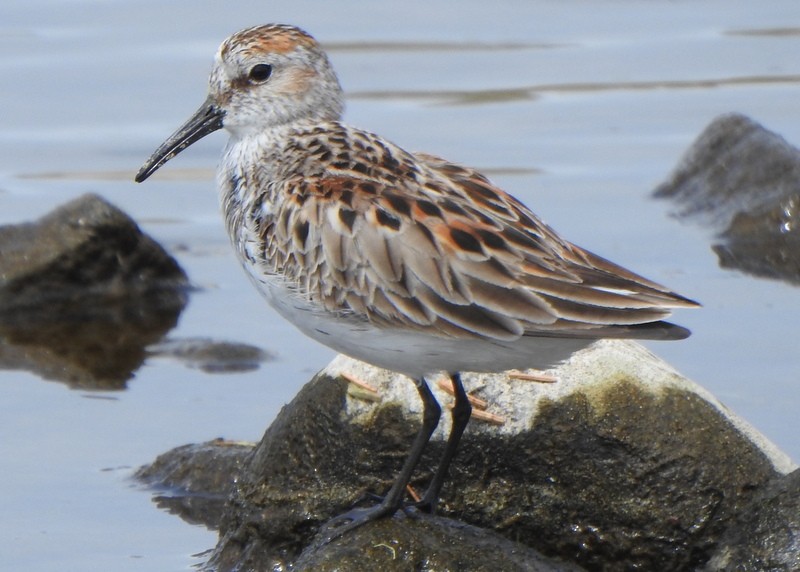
x: 620, y: 464
x: 766, y: 534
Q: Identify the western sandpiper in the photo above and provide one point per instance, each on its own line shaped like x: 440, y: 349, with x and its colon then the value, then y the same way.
x: 400, y: 259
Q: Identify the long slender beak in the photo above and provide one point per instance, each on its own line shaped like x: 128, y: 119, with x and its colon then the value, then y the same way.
x: 205, y: 120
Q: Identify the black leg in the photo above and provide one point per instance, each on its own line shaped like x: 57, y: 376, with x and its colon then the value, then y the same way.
x: 394, y: 498
x: 460, y: 416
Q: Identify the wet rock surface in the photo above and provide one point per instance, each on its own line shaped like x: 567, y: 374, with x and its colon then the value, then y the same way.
x: 743, y: 181
x: 621, y: 464
x: 82, y: 293
x: 194, y: 481
x: 766, y: 534
x: 424, y: 542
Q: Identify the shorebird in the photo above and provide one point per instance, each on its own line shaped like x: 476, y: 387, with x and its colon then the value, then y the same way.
x: 403, y: 260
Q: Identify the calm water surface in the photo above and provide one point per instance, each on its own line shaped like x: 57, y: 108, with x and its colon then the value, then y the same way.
x: 578, y: 108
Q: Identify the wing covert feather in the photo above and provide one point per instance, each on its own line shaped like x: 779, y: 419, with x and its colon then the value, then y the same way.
x: 446, y: 250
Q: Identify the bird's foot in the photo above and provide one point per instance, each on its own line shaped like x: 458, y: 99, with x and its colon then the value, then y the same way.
x: 352, y: 519
x: 425, y: 504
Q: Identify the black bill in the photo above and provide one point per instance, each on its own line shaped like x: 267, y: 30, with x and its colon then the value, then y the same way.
x: 205, y: 120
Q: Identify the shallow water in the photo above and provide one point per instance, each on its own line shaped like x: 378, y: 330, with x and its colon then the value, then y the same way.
x: 578, y: 108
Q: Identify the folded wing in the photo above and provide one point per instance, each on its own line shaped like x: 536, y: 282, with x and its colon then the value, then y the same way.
x: 445, y: 250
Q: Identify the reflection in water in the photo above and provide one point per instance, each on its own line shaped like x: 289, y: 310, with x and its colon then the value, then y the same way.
x: 86, y: 297
x: 211, y: 356
x: 765, y: 244
x: 744, y: 182
x: 195, y: 481
x: 88, y: 342
x: 82, y: 293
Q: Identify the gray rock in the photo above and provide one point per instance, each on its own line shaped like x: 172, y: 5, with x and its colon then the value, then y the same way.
x: 744, y: 182
x: 87, y: 245
x: 82, y: 293
x: 621, y: 464
x: 211, y: 356
x: 425, y: 542
x: 766, y: 534
x: 194, y: 481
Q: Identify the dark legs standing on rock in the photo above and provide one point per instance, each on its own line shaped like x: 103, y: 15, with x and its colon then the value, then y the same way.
x: 462, y: 410
x: 431, y: 411
x: 430, y: 419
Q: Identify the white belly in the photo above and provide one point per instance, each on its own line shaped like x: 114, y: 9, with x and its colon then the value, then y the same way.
x: 413, y: 353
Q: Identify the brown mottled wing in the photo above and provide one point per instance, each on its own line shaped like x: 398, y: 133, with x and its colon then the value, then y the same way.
x: 445, y: 250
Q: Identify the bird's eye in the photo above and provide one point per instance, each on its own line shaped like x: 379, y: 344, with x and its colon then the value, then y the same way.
x: 260, y: 73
